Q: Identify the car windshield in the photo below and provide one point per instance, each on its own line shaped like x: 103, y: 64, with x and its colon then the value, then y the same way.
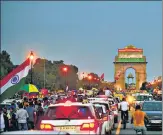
x: 144, y: 98
x: 106, y: 105
x: 69, y: 112
x: 152, y: 106
x: 99, y: 109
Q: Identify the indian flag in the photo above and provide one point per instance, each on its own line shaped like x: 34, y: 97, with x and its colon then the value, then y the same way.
x: 11, y: 83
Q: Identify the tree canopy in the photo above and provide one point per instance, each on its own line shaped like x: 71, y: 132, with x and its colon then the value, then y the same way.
x: 54, y: 76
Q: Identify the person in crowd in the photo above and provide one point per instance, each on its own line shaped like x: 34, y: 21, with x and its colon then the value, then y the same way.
x: 12, y: 120
x: 138, y: 119
x: 2, y: 121
x: 101, y: 92
x: 6, y: 119
x: 22, y: 116
x: 108, y: 93
x: 25, y: 102
x: 31, y: 112
x: 36, y: 104
x: 39, y: 114
x: 40, y: 111
x: 124, y: 109
x: 45, y: 103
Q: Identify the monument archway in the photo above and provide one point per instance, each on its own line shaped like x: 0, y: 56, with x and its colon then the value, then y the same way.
x: 129, y: 57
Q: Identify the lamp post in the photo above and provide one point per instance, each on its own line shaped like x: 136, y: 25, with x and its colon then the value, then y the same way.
x: 31, y: 58
x: 65, y: 69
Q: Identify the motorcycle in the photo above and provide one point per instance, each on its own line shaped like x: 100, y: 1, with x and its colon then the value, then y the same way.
x: 139, y: 131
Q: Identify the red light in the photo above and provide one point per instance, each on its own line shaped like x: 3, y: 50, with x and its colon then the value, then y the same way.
x: 95, y: 78
x: 89, y: 77
x: 65, y: 69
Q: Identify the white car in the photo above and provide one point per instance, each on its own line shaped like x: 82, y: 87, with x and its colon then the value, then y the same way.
x: 34, y: 132
x: 8, y: 101
x: 106, y: 117
x: 114, y: 108
x: 108, y: 109
x: 72, y: 117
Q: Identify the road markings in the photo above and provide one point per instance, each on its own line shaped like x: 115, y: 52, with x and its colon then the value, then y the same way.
x: 118, y: 128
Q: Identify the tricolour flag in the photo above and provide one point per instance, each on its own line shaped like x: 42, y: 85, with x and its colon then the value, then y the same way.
x: 102, y: 77
x: 11, y: 83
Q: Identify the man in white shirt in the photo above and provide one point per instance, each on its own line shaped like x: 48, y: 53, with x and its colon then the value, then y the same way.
x: 22, y: 116
x: 124, y: 108
x: 108, y: 93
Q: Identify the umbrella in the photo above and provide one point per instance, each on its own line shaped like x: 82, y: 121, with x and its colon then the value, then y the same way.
x: 29, y: 88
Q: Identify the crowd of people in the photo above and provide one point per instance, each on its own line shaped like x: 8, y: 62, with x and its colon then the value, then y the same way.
x: 22, y: 116
x: 26, y: 115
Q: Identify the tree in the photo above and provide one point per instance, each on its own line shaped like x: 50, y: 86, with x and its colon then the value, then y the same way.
x: 143, y: 87
x: 6, y: 64
x: 54, y: 76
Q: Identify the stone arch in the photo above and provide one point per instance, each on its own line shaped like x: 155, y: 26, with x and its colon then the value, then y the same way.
x: 122, y: 64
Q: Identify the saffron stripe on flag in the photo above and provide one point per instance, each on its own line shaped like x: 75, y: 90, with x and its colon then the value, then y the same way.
x: 14, y: 72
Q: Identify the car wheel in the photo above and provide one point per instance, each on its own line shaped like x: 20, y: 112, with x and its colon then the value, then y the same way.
x: 148, y: 129
x: 108, y: 133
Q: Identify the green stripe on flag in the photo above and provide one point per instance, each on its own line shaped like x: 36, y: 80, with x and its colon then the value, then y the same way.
x: 12, y: 90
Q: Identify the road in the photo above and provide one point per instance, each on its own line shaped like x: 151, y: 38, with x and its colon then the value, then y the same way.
x: 130, y: 131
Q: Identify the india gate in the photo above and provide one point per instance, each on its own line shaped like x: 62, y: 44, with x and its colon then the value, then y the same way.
x: 129, y: 57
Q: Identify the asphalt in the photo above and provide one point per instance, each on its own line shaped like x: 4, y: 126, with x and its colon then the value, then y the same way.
x: 129, y: 129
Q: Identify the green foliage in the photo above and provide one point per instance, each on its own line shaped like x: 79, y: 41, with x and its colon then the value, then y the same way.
x: 54, y: 77
x: 6, y: 64
x: 143, y: 87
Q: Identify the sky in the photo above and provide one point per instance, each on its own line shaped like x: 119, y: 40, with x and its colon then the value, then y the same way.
x: 85, y: 34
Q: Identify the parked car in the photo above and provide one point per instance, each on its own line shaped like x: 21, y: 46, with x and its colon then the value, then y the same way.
x: 153, y: 110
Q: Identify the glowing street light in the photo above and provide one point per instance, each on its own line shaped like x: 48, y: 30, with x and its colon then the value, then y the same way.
x: 89, y: 77
x: 31, y: 58
x: 65, y: 70
x: 31, y: 55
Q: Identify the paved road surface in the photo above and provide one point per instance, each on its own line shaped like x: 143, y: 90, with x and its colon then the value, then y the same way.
x: 130, y: 131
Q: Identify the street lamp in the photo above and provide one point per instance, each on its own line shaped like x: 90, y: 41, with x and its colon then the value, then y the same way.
x: 31, y: 58
x: 65, y: 69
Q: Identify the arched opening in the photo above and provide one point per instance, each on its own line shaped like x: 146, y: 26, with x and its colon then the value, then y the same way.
x: 130, y: 79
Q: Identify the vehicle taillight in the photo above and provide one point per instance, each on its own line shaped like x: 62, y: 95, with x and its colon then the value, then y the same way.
x: 105, y: 118
x: 88, y: 126
x: 114, y: 109
x: 46, y: 127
